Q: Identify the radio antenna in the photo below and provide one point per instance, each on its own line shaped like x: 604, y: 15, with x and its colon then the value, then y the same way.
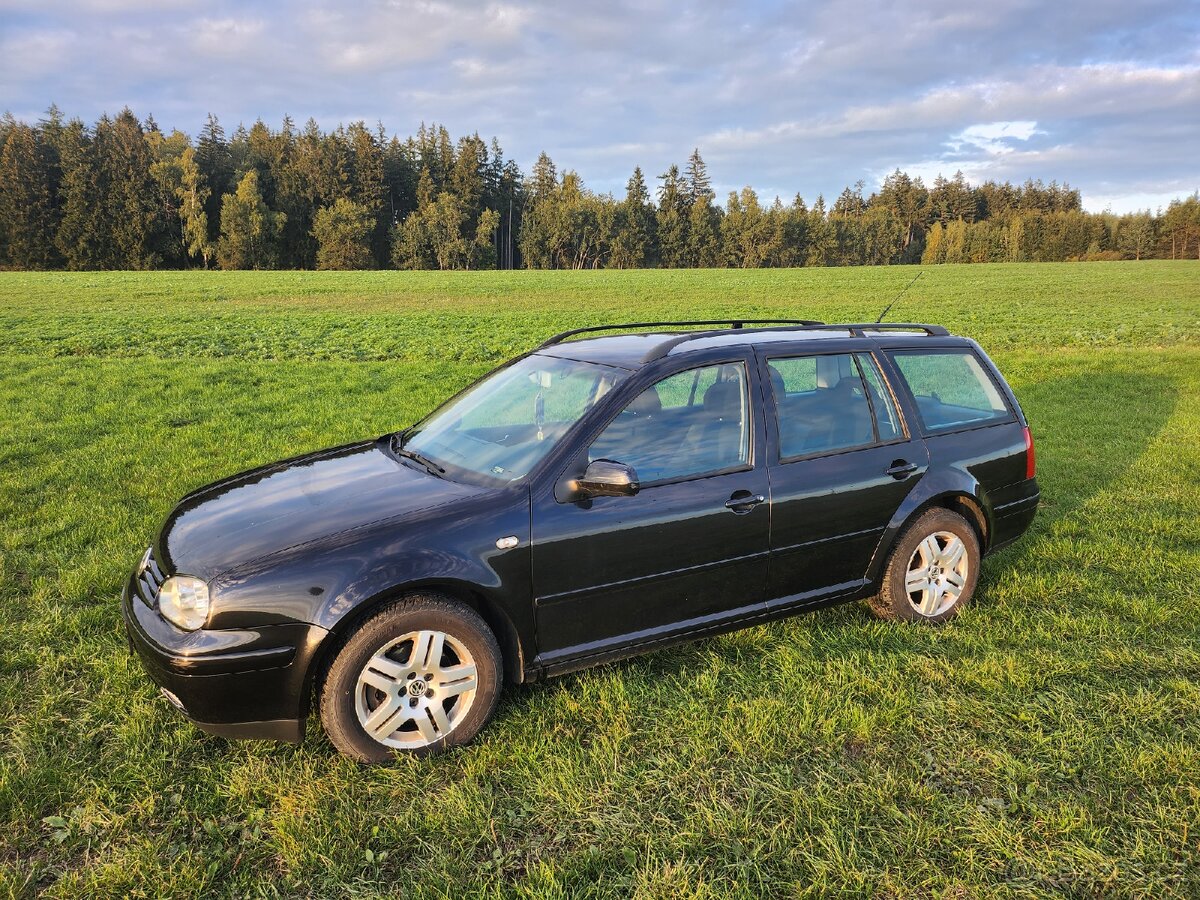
x: 903, y: 291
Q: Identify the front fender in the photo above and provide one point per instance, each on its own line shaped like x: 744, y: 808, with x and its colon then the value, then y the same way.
x: 326, y: 582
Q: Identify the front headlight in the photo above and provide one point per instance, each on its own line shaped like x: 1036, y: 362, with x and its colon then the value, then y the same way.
x: 183, y: 601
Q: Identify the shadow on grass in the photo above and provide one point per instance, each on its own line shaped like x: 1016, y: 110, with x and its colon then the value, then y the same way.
x: 1090, y: 431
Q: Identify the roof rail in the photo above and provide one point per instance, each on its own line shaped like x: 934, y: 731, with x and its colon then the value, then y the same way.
x: 858, y: 329
x: 729, y: 323
x: 855, y: 330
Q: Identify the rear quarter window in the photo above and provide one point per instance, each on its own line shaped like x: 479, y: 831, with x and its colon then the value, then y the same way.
x: 952, y: 389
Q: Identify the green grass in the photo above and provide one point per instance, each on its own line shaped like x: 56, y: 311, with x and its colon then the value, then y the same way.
x: 1047, y: 741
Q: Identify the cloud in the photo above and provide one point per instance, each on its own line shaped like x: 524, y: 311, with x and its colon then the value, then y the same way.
x: 36, y: 51
x: 993, y: 138
x: 229, y: 37
x: 787, y: 97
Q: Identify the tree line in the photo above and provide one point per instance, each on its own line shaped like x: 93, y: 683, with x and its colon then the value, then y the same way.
x: 123, y: 194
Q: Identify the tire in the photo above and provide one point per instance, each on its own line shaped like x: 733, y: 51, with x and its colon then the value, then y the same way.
x: 372, y: 706
x: 936, y: 555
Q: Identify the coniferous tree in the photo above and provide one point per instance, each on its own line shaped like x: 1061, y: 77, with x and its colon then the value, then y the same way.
x: 703, y: 218
x: 751, y: 233
x: 543, y: 180
x: 822, y: 242
x: 400, y: 173
x: 850, y: 203
x: 907, y: 200
x: 216, y: 168
x: 672, y: 219
x: 443, y: 232
x: 881, y: 237
x: 272, y: 155
x: 82, y: 233
x: 367, y: 186
x: 703, y: 234
x: 633, y: 241
x: 795, y: 230
x: 954, y: 199
x: 699, y: 186
x: 28, y: 209
x: 139, y: 232
x: 511, y: 209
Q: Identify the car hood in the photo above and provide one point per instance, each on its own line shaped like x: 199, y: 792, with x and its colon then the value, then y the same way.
x: 277, y: 506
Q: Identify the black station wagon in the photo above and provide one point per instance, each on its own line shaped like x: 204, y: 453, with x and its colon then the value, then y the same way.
x: 599, y: 497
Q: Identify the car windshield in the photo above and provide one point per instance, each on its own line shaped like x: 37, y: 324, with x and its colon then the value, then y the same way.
x: 500, y: 428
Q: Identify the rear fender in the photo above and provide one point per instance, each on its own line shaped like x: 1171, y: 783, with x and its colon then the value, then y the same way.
x: 954, y: 489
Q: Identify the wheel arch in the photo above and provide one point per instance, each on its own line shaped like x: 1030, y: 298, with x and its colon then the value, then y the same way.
x: 970, y: 503
x: 511, y: 652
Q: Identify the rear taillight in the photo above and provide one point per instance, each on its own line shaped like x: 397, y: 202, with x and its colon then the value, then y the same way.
x: 1030, y: 456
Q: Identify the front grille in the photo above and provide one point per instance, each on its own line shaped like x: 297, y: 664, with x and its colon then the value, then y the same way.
x: 149, y: 579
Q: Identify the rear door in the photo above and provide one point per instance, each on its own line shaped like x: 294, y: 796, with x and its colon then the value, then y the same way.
x: 689, y: 549
x: 842, y: 460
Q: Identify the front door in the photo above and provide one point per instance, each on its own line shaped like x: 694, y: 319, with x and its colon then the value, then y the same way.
x: 688, y: 550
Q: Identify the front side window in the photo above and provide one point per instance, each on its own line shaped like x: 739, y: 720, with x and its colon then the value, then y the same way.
x: 688, y: 424
x: 951, y: 388
x: 821, y: 404
x: 502, y: 427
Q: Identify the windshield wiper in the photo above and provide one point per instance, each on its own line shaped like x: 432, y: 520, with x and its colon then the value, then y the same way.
x: 429, y: 465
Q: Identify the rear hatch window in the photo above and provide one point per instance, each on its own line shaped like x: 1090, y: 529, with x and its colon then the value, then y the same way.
x: 952, y: 389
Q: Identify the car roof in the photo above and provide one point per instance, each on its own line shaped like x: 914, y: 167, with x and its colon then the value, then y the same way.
x: 633, y: 351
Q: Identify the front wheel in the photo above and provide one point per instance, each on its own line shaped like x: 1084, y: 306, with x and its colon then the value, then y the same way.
x: 932, y: 571
x: 420, y: 676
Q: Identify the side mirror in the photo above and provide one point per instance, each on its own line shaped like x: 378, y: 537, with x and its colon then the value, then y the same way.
x: 608, y: 478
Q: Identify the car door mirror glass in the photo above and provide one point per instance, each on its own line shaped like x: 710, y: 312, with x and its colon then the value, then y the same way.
x: 608, y: 478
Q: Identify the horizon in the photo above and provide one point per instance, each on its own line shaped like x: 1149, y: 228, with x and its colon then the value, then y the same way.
x: 721, y: 192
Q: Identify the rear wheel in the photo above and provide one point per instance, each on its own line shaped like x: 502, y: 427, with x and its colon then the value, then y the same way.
x: 932, y: 571
x: 420, y: 676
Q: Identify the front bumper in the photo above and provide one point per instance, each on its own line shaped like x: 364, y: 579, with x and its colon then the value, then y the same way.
x: 237, y: 683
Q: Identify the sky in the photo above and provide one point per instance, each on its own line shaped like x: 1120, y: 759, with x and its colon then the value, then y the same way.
x: 787, y: 97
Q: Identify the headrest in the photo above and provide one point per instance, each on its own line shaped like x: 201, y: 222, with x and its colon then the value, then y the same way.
x: 647, y: 403
x: 777, y: 382
x: 724, y: 399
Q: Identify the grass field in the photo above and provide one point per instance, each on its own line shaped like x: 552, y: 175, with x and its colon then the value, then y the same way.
x: 1048, y: 741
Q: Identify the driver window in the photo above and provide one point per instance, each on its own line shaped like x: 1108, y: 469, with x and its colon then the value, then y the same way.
x: 688, y: 424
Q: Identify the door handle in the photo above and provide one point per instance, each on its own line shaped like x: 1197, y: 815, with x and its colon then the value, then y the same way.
x: 744, y: 502
x: 901, y: 469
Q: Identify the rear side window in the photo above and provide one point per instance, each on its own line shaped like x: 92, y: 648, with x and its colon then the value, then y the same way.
x: 821, y: 403
x: 951, y: 388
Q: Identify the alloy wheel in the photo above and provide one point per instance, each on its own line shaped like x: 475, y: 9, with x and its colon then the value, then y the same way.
x: 414, y: 690
x: 937, y: 573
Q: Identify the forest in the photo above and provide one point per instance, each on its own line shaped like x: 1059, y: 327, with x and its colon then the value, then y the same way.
x: 124, y: 194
